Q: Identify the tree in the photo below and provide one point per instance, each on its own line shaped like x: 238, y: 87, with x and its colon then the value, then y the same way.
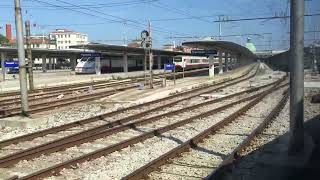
x: 3, y: 40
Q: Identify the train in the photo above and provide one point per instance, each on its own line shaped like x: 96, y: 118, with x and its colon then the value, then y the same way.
x: 109, y: 64
x: 183, y: 62
x: 86, y: 65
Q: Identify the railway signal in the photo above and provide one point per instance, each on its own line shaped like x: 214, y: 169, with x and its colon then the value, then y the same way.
x: 146, y: 37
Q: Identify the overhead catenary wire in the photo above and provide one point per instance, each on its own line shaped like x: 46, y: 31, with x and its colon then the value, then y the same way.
x: 263, y: 18
x: 126, y: 20
x: 114, y: 19
x: 101, y: 5
x: 178, y: 11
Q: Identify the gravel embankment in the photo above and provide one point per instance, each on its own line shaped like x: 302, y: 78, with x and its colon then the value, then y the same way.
x: 80, y: 111
x: 201, y: 161
x: 195, y: 100
x: 136, y: 156
x: 118, y: 137
x: 272, y: 142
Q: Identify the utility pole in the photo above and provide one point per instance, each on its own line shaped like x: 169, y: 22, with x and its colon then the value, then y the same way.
x: 221, y: 19
x: 29, y: 53
x: 150, y: 55
x: 21, y: 56
x: 296, y: 77
x: 220, y: 26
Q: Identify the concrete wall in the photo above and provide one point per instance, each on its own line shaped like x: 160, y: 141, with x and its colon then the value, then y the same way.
x: 281, y: 61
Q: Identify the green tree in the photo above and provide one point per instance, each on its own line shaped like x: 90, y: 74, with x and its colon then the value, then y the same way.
x: 3, y: 40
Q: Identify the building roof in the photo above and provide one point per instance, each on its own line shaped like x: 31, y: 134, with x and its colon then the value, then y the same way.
x: 34, y: 41
x: 220, y: 45
x: 117, y: 49
x: 63, y: 31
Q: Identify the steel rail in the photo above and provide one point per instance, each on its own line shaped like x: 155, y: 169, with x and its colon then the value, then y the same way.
x: 44, y: 95
x: 79, y: 96
x: 235, y: 155
x: 142, y: 172
x: 57, y: 89
x: 76, y: 139
x: 35, y: 108
x: 116, y: 147
x: 101, y: 117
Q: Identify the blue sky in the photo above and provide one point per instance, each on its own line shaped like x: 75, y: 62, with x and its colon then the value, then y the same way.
x: 110, y: 21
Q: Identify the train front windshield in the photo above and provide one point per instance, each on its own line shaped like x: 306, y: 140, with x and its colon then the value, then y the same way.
x: 89, y: 59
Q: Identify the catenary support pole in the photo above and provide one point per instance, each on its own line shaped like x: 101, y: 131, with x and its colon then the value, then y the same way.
x: 29, y: 53
x: 296, y: 76
x: 3, y: 58
x: 22, y: 62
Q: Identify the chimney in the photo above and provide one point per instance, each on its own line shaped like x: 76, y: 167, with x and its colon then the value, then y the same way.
x: 8, y: 32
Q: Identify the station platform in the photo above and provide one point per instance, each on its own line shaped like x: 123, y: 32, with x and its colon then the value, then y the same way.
x: 64, y: 77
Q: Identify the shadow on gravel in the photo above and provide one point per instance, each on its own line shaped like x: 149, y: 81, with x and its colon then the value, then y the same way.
x: 270, y: 161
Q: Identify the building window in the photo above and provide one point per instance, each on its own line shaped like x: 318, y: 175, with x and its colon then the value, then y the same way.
x: 69, y: 42
x: 66, y: 42
x: 69, y: 35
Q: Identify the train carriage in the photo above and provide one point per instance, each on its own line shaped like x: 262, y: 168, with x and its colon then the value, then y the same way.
x: 190, y: 62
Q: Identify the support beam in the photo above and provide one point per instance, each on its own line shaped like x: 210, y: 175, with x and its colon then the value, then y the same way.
x: 296, y: 77
x: 44, y: 63
x: 226, y: 61
x: 73, y: 62
x: 211, y: 66
x: 50, y: 63
x: 125, y: 62
x: 159, y: 62
x: 54, y: 63
x: 220, y: 63
x: 3, y: 58
x: 98, y: 65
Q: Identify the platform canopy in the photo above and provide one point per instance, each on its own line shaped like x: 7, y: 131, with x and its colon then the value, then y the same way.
x: 225, y: 46
x: 118, y: 50
x: 37, y: 53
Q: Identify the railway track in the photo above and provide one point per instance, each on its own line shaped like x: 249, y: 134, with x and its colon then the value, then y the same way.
x: 214, y: 148
x: 44, y: 93
x: 45, y: 99
x: 155, y: 130
x: 53, y: 91
x: 57, y: 103
x: 134, y: 111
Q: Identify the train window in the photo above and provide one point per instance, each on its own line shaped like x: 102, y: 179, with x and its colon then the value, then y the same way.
x: 195, y: 60
x: 177, y: 59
